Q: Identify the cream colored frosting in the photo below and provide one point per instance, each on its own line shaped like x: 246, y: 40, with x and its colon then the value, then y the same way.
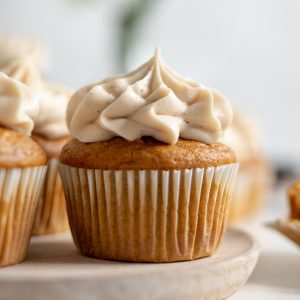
x: 51, y: 121
x: 53, y: 99
x: 18, y: 107
x: 24, y: 70
x: 243, y: 136
x: 150, y: 101
x: 18, y: 46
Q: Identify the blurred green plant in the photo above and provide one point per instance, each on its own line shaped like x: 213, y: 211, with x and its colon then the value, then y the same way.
x: 130, y: 21
x: 130, y: 28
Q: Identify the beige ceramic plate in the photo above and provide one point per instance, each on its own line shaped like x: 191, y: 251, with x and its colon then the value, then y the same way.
x: 289, y: 228
x: 54, y: 270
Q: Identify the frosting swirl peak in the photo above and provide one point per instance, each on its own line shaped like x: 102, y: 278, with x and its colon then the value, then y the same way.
x: 151, y: 101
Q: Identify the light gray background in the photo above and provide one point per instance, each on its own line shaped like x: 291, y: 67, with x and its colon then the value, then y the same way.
x: 249, y: 50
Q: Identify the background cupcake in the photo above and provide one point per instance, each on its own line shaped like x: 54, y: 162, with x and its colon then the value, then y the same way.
x: 255, y: 174
x: 51, y: 133
x: 144, y: 179
x: 294, y: 200
x: 290, y: 226
x: 22, y: 169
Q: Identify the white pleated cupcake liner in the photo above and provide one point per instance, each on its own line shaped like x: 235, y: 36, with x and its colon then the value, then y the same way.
x: 148, y: 215
x: 19, y: 194
x: 51, y: 215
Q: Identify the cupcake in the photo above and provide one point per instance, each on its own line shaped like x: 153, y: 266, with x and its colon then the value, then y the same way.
x: 290, y: 227
x: 51, y: 133
x: 294, y: 200
x: 144, y: 177
x: 255, y: 175
x: 22, y: 169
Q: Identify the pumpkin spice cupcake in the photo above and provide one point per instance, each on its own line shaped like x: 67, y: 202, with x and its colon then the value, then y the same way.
x: 144, y: 177
x: 51, y: 133
x: 22, y: 169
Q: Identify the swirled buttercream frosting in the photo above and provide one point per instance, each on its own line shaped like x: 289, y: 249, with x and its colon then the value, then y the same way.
x: 18, y: 107
x: 53, y: 99
x: 151, y: 101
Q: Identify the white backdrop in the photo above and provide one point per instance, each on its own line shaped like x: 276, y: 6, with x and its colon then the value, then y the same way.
x: 249, y: 50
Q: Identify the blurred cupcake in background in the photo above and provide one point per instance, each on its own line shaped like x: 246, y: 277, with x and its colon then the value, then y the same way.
x: 13, y: 46
x: 290, y: 226
x: 144, y: 177
x: 255, y: 173
x: 51, y: 133
x: 294, y: 200
x: 22, y: 169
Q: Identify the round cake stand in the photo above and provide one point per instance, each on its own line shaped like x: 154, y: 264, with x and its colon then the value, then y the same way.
x: 55, y: 270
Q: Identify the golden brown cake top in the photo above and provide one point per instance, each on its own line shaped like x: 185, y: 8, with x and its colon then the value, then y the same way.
x: 145, y: 154
x: 52, y: 147
x: 294, y: 198
x: 19, y: 151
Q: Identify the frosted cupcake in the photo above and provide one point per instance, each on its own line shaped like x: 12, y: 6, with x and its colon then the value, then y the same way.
x: 51, y: 133
x: 144, y: 178
x: 255, y: 174
x: 22, y: 169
